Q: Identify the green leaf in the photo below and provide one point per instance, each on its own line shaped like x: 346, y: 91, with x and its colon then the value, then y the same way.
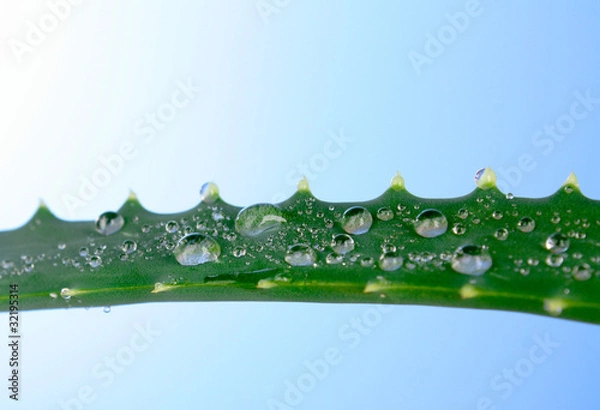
x: 287, y: 252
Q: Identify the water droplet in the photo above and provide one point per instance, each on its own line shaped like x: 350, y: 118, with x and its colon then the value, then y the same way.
x: 209, y: 193
x: 471, y: 260
x: 390, y: 261
x: 62, y: 246
x: 557, y: 243
x: 128, y: 246
x: 388, y: 247
x: 367, y: 262
x: 334, y: 258
x: 29, y: 267
x: 463, y: 213
x: 65, y: 293
x: 342, y: 243
x: 526, y: 224
x: 171, y: 226
x: 582, y: 272
x: 458, y: 229
x: 357, y: 220
x: 84, y: 251
x: 554, y: 260
x: 479, y: 173
x: 257, y: 219
x: 510, y: 195
x: 239, y: 251
x: 106, y: 309
x: 431, y: 223
x: 555, y: 219
x: 385, y: 213
x: 6, y: 264
x: 300, y: 255
x: 554, y: 306
x: 497, y: 215
x: 109, y: 223
x: 501, y: 234
x: 397, y: 182
x: 95, y: 261
x: 485, y: 178
x: 217, y: 216
x: 195, y: 249
x: 146, y: 228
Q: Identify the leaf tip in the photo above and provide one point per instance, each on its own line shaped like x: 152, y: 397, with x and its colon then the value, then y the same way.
x: 209, y: 193
x: 572, y: 181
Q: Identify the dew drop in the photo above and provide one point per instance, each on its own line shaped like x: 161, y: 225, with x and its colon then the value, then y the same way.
x: 431, y: 223
x: 65, y: 293
x: 334, y: 259
x: 458, y: 229
x: 109, y: 223
x: 300, y: 255
x: 342, y: 243
x: 209, y: 193
x: 84, y: 251
x: 478, y: 174
x: 257, y: 219
x: 526, y: 224
x: 146, y: 228
x: 510, y: 195
x: 497, y: 215
x: 106, y: 309
x: 367, y: 262
x: 6, y: 264
x: 195, y: 249
x: 95, y: 261
x: 385, y: 213
x: 582, y: 272
x: 471, y: 260
x: 554, y: 260
x: 390, y: 261
x: 62, y: 246
x: 463, y: 213
x: 357, y: 220
x: 171, y: 227
x: 501, y: 234
x: 239, y: 251
x: 557, y: 243
x: 128, y: 246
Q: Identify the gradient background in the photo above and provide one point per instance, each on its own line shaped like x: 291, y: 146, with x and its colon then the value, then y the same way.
x: 273, y: 89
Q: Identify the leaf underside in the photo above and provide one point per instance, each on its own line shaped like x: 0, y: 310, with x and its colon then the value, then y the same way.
x: 43, y: 257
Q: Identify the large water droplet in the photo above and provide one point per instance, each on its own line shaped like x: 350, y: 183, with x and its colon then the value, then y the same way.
x: 342, y: 243
x: 300, y: 255
x: 209, y: 193
x: 257, y: 219
x: 431, y: 223
x: 357, y: 220
x: 109, y: 223
x: 526, y: 224
x: 471, y: 260
x: 195, y: 248
x: 557, y: 243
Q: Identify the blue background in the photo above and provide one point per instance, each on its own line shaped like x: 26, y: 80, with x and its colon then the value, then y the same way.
x: 274, y: 83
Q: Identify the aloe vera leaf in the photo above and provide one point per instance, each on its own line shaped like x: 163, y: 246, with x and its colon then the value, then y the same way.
x: 45, y: 259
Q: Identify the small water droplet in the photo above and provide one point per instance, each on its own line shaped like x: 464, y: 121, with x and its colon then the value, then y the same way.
x: 109, y: 223
x: 62, y: 246
x: 65, y: 293
x: 106, y: 309
x: 357, y: 220
x: 342, y: 243
x: 431, y: 223
x: 497, y: 215
x: 510, y: 195
x: 171, y: 226
x: 557, y: 243
x: 582, y: 272
x: 146, y: 228
x: 385, y: 213
x: 29, y: 267
x: 257, y: 219
x: 195, y: 249
x: 334, y: 258
x: 84, y: 251
x: 239, y: 251
x: 458, y: 229
x: 7, y: 264
x: 463, y: 213
x: 554, y: 260
x: 471, y: 260
x: 390, y: 261
x: 128, y: 246
x: 300, y: 255
x: 501, y: 234
x: 526, y: 224
x: 367, y: 262
x: 478, y: 174
x: 209, y: 193
x: 95, y: 261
